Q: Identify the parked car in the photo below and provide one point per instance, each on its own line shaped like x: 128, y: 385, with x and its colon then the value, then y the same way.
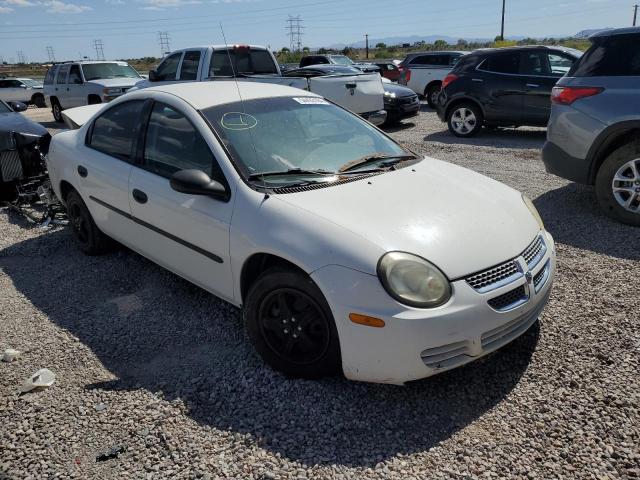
x: 423, y: 72
x: 23, y: 144
x: 277, y: 201
x: 72, y: 84
x: 337, y: 60
x: 399, y: 102
x: 502, y: 87
x: 593, y: 136
x: 389, y: 70
x: 362, y: 94
x: 25, y: 90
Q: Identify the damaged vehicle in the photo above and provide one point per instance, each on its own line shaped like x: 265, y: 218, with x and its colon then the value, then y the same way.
x: 347, y: 252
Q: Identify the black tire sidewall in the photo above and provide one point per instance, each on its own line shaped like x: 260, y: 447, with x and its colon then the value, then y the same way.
x: 58, y: 118
x: 330, y: 364
x: 476, y: 111
x: 604, y: 179
x: 38, y: 101
x: 98, y: 242
x: 428, y: 94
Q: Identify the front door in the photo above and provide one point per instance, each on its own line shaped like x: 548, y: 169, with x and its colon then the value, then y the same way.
x: 500, y: 88
x: 76, y: 96
x: 188, y: 234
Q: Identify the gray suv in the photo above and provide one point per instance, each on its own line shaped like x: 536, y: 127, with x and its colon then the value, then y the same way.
x: 593, y: 136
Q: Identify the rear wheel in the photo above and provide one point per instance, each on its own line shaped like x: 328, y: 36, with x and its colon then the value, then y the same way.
x: 431, y: 94
x: 38, y: 100
x: 291, y: 326
x: 56, y: 109
x: 464, y: 120
x: 87, y: 235
x: 618, y: 184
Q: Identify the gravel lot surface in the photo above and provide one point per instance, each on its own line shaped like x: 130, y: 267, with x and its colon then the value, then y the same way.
x: 146, y: 360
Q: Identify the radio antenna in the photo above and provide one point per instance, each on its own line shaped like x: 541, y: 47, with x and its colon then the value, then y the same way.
x: 244, y: 110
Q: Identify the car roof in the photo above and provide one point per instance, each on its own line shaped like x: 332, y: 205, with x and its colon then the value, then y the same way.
x: 89, y: 62
x: 524, y: 48
x: 436, y: 52
x: 615, y: 31
x: 217, y: 46
x: 332, y: 68
x: 210, y: 94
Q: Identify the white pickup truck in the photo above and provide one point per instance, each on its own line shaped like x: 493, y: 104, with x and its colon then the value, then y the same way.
x: 362, y: 94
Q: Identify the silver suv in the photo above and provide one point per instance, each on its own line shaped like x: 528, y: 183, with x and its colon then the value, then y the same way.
x: 73, y: 84
x: 593, y: 136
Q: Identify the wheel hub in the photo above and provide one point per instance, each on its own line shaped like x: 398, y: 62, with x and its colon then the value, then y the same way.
x: 463, y: 120
x: 626, y: 186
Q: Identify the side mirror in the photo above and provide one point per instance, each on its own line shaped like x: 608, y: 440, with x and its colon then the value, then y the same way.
x: 153, y: 76
x: 18, y: 106
x: 196, y: 182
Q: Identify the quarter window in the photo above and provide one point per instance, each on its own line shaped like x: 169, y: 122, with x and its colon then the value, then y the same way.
x: 189, y: 68
x: 114, y: 131
x: 501, y: 63
x: 168, y: 69
x: 172, y: 143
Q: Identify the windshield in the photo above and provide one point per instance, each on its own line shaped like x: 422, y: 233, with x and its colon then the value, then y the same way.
x: 94, y: 71
x: 31, y: 83
x: 252, y: 61
x: 289, y: 133
x: 4, y: 108
x: 341, y: 60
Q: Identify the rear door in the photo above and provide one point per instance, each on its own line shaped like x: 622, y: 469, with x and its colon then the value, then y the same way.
x: 60, y: 85
x: 75, y: 96
x: 500, y: 87
x: 358, y: 93
x: 190, y: 66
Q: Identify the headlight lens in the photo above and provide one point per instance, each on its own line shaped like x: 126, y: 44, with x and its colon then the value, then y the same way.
x: 111, y: 91
x: 533, y: 210
x: 413, y: 281
x: 389, y: 95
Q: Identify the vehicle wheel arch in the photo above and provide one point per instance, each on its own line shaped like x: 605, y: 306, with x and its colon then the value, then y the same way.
x: 93, y: 99
x: 36, y: 96
x: 259, y: 263
x: 65, y: 189
x: 609, y: 141
x: 431, y: 84
x: 458, y: 101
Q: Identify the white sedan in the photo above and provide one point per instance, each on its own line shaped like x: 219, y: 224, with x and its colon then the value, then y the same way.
x: 345, y: 251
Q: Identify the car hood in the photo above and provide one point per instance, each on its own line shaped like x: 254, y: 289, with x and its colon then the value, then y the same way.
x: 116, y: 82
x: 16, y: 122
x: 399, y: 90
x: 461, y: 221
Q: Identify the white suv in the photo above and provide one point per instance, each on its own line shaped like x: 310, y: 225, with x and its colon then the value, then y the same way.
x: 74, y: 84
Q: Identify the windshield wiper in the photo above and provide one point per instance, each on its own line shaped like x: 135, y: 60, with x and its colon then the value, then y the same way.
x: 291, y: 171
x: 359, y: 162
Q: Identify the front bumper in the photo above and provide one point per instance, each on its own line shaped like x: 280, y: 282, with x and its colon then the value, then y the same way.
x: 376, y: 118
x: 417, y: 343
x: 401, y: 108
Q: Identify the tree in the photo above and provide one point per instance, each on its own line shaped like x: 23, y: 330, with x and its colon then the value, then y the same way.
x: 462, y: 42
x: 306, y: 49
x: 439, y: 44
x: 381, y: 45
x: 322, y: 51
x: 285, y: 50
x: 346, y: 51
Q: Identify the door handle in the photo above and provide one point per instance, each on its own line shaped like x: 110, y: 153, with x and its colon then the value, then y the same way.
x: 532, y: 85
x: 139, y: 196
x: 350, y: 85
x: 477, y: 80
x: 82, y: 171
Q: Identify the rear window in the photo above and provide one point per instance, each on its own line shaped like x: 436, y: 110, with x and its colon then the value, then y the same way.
x: 501, y: 63
x: 252, y: 61
x: 615, y: 56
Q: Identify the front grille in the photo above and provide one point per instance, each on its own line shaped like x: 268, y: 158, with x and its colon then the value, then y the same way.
x: 509, y: 300
x: 10, y: 165
x: 446, y: 356
x: 534, y: 252
x: 494, y: 277
x: 506, y: 333
x: 541, y: 277
x: 408, y: 100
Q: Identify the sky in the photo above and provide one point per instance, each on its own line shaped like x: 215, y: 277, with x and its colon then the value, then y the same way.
x: 130, y: 28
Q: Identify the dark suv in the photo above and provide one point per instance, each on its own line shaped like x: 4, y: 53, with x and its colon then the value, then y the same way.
x: 593, y: 135
x: 502, y: 87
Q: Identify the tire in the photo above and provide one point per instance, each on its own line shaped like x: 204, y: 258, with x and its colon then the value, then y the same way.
x: 56, y: 110
x: 464, y: 120
x: 618, y: 184
x: 88, y: 237
x: 94, y: 100
x: 302, y: 347
x: 38, y: 101
x: 431, y: 94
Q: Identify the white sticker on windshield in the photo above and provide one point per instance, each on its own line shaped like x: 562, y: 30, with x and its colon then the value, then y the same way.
x: 311, y: 101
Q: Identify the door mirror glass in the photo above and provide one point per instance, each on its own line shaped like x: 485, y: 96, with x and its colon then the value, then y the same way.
x: 196, y: 182
x: 18, y: 106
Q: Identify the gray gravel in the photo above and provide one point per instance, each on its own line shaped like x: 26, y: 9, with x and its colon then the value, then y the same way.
x: 147, y: 361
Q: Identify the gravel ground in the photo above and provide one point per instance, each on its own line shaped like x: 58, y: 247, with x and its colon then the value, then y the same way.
x: 146, y: 360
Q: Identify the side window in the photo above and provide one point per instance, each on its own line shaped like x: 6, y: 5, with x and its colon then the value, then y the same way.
x: 613, y: 56
x: 453, y: 59
x: 74, y: 75
x: 173, y: 144
x: 535, y: 63
x: 114, y: 131
x: 559, y: 64
x: 51, y: 74
x: 423, y: 60
x: 4, y: 84
x: 501, y: 63
x: 169, y: 68
x: 62, y: 74
x: 189, y: 68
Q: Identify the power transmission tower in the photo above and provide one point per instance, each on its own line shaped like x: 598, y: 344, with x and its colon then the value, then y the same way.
x: 97, y: 44
x: 294, y: 30
x: 51, y: 55
x: 635, y: 14
x: 21, y: 57
x: 165, y: 49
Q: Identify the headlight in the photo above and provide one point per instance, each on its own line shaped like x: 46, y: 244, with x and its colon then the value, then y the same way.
x: 389, y: 95
x: 111, y: 91
x: 533, y: 210
x: 412, y: 280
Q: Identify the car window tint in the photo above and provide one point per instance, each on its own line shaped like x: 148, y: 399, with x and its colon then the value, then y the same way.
x: 169, y: 68
x: 48, y: 79
x: 189, y: 68
x: 423, y: 60
x: 502, y: 63
x: 615, y: 56
x: 173, y: 144
x: 535, y: 63
x: 62, y: 74
x: 4, y: 84
x: 74, y: 74
x: 559, y: 64
x: 114, y: 131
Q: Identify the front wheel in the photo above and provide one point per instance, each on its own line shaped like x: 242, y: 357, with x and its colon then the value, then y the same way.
x: 464, y: 120
x: 618, y: 184
x: 87, y: 235
x: 431, y: 94
x: 290, y: 324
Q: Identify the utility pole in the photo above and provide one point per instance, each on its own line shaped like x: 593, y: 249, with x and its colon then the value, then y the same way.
x: 366, y: 43
x: 635, y: 14
x: 294, y: 30
x: 502, y: 27
x: 164, y: 44
x: 97, y: 44
x: 51, y: 55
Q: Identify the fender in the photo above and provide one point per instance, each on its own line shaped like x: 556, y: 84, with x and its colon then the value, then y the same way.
x: 604, y: 141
